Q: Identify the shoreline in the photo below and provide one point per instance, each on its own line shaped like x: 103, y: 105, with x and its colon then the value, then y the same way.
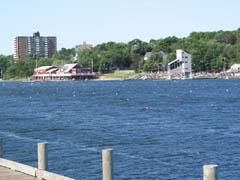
x: 119, y: 79
x: 129, y: 75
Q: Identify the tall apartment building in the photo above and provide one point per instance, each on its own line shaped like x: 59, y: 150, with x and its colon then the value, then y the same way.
x: 36, y: 45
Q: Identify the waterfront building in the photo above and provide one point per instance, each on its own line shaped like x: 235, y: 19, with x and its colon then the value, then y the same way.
x: 35, y: 45
x: 67, y: 72
x: 44, y: 70
x: 181, y: 67
x: 235, y: 69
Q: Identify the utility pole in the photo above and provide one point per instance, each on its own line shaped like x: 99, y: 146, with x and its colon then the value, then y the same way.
x: 158, y: 66
x: 92, y: 65
x: 224, y: 65
x: 224, y: 68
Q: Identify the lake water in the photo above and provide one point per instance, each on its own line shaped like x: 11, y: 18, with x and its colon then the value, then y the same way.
x: 158, y: 129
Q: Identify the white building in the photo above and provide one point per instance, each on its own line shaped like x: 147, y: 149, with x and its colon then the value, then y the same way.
x: 235, y: 69
x: 181, y: 67
x: 147, y: 56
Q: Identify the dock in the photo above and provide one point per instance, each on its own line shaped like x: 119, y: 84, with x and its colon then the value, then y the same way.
x: 11, y: 170
x: 8, y: 174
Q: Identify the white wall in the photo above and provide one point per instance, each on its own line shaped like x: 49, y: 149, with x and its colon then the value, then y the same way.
x: 235, y: 67
x: 185, y: 67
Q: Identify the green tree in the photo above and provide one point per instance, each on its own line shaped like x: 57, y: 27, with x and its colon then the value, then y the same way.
x: 64, y: 54
x: 165, y: 44
x: 88, y: 58
x: 44, y: 62
x: 154, y: 63
x: 105, y: 64
x: 115, y: 59
x: 20, y: 69
x: 226, y: 37
x: 4, y: 63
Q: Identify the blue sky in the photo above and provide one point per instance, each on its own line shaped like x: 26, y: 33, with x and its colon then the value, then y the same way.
x: 98, y: 21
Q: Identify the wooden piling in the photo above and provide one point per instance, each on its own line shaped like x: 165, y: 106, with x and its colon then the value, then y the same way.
x: 107, y: 164
x: 1, y: 147
x: 210, y: 172
x: 42, y: 156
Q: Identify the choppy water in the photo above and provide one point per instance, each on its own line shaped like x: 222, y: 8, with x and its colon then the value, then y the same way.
x: 158, y: 129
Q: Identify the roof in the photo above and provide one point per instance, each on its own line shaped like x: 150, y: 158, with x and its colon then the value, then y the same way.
x: 234, y: 68
x: 42, y: 68
x: 162, y: 53
x: 173, y: 61
x: 52, y: 70
x: 235, y: 65
x: 68, y: 67
x: 148, y: 54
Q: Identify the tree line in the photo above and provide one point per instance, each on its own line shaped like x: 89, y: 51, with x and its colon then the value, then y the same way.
x: 208, y: 50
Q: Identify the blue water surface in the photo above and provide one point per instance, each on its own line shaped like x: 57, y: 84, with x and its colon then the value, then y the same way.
x: 158, y: 129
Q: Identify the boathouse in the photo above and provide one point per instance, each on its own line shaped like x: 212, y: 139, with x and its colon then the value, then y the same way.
x: 67, y: 72
x: 180, y: 68
x: 44, y: 73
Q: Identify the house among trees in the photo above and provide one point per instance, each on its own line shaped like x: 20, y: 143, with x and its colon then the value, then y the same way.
x: 80, y: 48
x: 149, y: 54
x: 83, y: 46
x: 181, y: 67
x: 67, y: 72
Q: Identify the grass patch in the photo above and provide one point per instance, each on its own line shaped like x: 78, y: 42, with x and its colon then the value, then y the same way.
x: 124, y: 75
x: 204, y: 77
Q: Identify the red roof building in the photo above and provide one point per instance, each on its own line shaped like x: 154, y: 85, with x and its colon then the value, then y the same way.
x: 67, y: 72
